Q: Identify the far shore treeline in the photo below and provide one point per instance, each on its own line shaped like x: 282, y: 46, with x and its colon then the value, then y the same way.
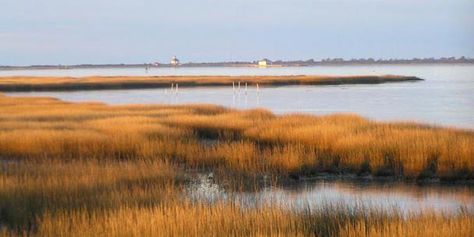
x: 278, y: 62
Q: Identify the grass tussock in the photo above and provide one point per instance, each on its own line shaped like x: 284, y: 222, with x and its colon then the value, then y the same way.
x: 21, y: 83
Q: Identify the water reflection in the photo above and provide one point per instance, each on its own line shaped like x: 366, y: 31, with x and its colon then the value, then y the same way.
x: 385, y: 196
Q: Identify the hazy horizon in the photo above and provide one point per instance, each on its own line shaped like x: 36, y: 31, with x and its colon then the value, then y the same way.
x: 105, y: 31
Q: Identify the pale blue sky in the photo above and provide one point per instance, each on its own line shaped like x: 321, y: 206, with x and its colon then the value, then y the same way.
x: 138, y: 31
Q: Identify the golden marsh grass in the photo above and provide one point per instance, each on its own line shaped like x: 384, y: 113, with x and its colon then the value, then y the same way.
x: 253, y: 141
x: 89, y: 169
x: 231, y: 220
x: 144, y: 198
x: 21, y: 83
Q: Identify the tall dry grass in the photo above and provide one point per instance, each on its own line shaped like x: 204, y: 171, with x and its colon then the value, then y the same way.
x: 88, y: 169
x: 30, y: 188
x: 145, y: 198
x: 185, y: 219
x: 424, y: 225
x: 254, y: 141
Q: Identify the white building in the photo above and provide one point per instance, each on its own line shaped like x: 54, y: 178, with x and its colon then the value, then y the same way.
x: 174, y: 61
x: 264, y: 62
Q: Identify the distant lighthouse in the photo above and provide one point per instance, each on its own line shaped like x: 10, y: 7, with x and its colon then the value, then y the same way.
x: 174, y: 61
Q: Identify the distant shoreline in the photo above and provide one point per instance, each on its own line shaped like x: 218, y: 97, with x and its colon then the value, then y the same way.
x: 278, y: 63
x: 25, y: 84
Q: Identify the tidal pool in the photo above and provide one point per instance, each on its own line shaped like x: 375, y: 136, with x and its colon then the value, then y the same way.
x: 399, y: 197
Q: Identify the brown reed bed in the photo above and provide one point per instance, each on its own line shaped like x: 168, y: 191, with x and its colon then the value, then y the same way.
x: 85, y: 197
x: 145, y: 198
x: 22, y: 83
x: 30, y: 188
x: 89, y: 169
x: 250, y: 142
x: 89, y: 198
x: 232, y: 220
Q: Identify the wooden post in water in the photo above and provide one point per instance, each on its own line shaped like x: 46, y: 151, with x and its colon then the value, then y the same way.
x: 258, y: 95
x: 246, y: 97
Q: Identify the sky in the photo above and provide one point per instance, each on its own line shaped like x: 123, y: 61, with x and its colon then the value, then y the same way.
x: 142, y: 31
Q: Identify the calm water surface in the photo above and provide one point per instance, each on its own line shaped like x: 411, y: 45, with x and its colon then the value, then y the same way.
x: 446, y: 97
x: 387, y: 196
